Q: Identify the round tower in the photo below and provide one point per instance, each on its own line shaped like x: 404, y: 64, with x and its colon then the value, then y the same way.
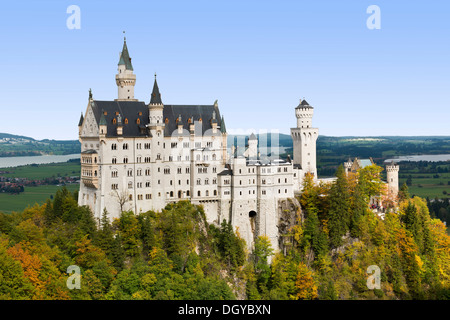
x: 392, y: 177
x: 125, y: 78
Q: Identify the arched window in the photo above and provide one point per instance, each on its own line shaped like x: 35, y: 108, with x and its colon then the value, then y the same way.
x: 126, y: 120
x: 138, y: 121
x: 199, y: 193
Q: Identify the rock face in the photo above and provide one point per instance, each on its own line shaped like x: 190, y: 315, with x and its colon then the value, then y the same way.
x: 289, y: 211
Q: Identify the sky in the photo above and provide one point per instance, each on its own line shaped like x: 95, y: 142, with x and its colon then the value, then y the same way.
x: 257, y: 58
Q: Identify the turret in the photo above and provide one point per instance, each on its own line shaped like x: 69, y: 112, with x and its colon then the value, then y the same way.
x: 156, y: 107
x: 252, y: 150
x: 125, y: 79
x: 392, y: 177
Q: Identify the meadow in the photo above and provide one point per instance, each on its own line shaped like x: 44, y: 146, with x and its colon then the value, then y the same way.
x: 31, y: 196
x: 36, y: 194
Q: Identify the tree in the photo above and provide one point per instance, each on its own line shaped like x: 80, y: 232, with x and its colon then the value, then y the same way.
x: 261, y: 253
x: 128, y: 228
x: 370, y: 181
x: 313, y: 235
x: 121, y: 197
x: 305, y: 286
x: 231, y: 247
x: 338, y: 215
x: 13, y: 283
x: 403, y: 193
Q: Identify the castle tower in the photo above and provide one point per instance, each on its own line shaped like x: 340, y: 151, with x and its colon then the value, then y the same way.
x: 304, y: 139
x: 125, y: 79
x: 392, y: 178
x: 348, y: 166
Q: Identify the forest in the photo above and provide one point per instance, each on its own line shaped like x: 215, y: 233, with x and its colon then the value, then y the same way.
x: 176, y: 255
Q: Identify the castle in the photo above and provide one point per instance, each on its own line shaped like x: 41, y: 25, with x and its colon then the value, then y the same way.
x: 141, y: 156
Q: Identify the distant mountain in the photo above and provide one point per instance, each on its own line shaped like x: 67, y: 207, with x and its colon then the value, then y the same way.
x: 15, y: 145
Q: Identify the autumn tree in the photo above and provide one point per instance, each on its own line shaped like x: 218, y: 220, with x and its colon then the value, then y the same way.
x: 305, y: 287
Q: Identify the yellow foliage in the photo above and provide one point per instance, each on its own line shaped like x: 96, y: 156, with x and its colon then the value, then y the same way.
x: 305, y: 285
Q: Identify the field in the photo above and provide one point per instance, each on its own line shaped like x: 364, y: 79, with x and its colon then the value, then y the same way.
x: 38, y: 172
x: 426, y: 179
x: 31, y: 195
x: 37, y: 194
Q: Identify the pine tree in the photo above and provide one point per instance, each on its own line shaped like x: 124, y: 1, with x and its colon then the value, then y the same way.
x: 339, y: 209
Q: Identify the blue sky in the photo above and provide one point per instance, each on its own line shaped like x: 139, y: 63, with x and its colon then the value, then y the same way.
x: 258, y: 58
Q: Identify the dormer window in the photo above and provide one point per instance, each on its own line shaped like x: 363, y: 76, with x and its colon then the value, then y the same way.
x: 114, y: 121
x: 126, y: 120
x: 138, y: 121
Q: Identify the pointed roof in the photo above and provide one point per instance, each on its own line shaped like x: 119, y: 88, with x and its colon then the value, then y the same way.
x: 303, y: 104
x: 80, y: 123
x: 252, y: 137
x: 156, y: 96
x: 125, y: 57
x: 222, y: 126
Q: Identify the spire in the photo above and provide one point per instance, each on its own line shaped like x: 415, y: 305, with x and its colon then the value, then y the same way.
x: 80, y: 123
x: 156, y: 96
x: 125, y: 56
x: 222, y: 126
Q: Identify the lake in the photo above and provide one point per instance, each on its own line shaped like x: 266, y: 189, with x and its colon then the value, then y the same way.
x: 7, y: 162
x: 423, y: 157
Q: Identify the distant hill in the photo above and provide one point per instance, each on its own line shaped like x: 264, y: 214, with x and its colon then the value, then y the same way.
x: 15, y: 145
x: 13, y: 136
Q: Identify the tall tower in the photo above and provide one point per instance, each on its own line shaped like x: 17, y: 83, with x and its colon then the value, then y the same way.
x: 304, y: 139
x: 125, y: 78
x: 392, y: 178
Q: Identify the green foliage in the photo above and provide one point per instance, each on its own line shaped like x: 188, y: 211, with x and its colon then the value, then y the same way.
x: 339, y: 213
x: 230, y: 247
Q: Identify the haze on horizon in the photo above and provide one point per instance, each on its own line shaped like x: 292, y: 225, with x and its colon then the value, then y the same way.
x: 258, y: 58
